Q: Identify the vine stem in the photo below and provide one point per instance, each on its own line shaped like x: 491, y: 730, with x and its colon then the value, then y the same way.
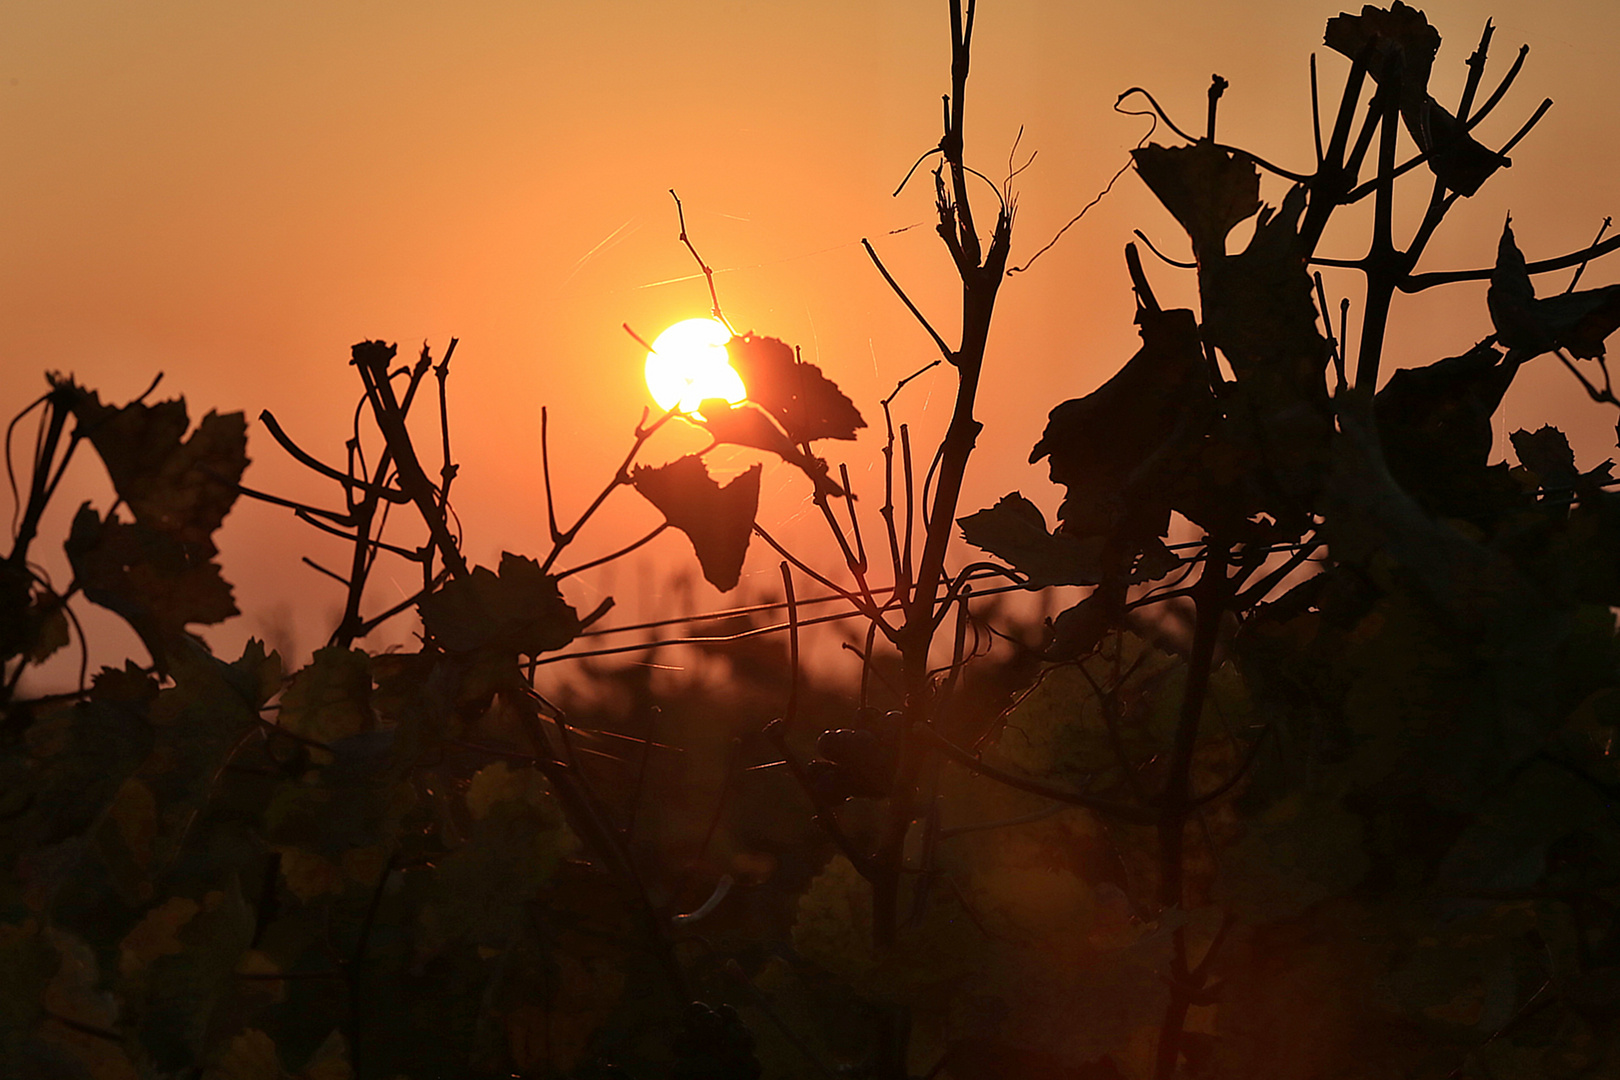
x: 1176, y: 802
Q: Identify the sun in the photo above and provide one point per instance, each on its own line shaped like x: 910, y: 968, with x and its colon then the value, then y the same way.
x: 689, y: 364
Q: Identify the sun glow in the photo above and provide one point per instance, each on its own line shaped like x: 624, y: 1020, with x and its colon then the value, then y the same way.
x: 689, y: 364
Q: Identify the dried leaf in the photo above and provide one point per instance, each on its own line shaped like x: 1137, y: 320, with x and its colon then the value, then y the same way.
x: 1014, y: 530
x: 1577, y: 321
x: 1209, y: 189
x: 718, y: 520
x: 520, y: 610
x: 805, y: 402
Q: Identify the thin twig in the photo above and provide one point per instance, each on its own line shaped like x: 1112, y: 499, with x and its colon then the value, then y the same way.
x: 708, y: 274
x: 939, y: 342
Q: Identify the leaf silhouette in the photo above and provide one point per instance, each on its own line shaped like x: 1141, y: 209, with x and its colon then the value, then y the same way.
x: 32, y: 620
x: 518, y: 610
x: 1546, y: 453
x: 1434, y: 424
x: 1015, y: 530
x: 1257, y: 309
x: 157, y: 583
x: 1576, y: 321
x: 1208, y: 189
x: 180, y: 487
x: 1399, y: 47
x: 748, y: 425
x: 805, y: 402
x: 1106, y: 447
x: 718, y: 520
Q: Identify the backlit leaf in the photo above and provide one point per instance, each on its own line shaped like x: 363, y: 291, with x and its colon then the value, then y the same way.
x: 1578, y: 322
x: 180, y: 487
x: 331, y: 698
x: 1110, y: 447
x: 520, y: 610
x: 747, y: 425
x: 1546, y: 453
x: 1207, y: 188
x: 718, y: 520
x: 1399, y: 47
x: 1015, y: 530
x: 156, y: 582
x: 805, y: 402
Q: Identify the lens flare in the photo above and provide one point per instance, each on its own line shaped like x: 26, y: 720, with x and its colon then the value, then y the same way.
x: 688, y: 365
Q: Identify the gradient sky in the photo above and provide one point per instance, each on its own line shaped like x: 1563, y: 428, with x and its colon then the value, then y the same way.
x: 234, y: 193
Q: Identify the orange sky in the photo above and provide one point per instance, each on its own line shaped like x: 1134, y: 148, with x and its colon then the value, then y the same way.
x: 234, y: 193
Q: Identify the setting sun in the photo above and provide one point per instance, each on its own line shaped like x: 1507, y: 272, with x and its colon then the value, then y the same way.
x: 689, y: 364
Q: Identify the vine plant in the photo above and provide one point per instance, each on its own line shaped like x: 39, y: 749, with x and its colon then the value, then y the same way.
x: 1325, y: 791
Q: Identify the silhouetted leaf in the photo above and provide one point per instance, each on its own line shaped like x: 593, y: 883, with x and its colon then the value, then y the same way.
x: 1546, y: 453
x: 180, y: 487
x: 1397, y: 42
x: 331, y: 698
x: 32, y: 620
x: 1015, y: 530
x: 1208, y: 189
x: 519, y: 610
x: 1399, y: 47
x: 718, y: 520
x: 1577, y: 321
x: 1111, y: 448
x: 747, y: 425
x: 1258, y: 310
x: 155, y: 581
x: 1435, y: 426
x: 805, y: 402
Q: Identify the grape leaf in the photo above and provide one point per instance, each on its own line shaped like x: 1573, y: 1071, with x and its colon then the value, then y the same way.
x: 1208, y: 188
x: 1111, y: 448
x: 1258, y: 310
x: 1436, y: 431
x: 157, y: 583
x: 181, y: 488
x: 1399, y: 47
x: 1014, y: 530
x: 805, y: 402
x: 748, y: 425
x: 184, y: 970
x: 832, y: 928
x: 520, y: 610
x: 32, y: 620
x: 331, y: 698
x: 1578, y: 322
x: 1546, y: 453
x: 718, y: 520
